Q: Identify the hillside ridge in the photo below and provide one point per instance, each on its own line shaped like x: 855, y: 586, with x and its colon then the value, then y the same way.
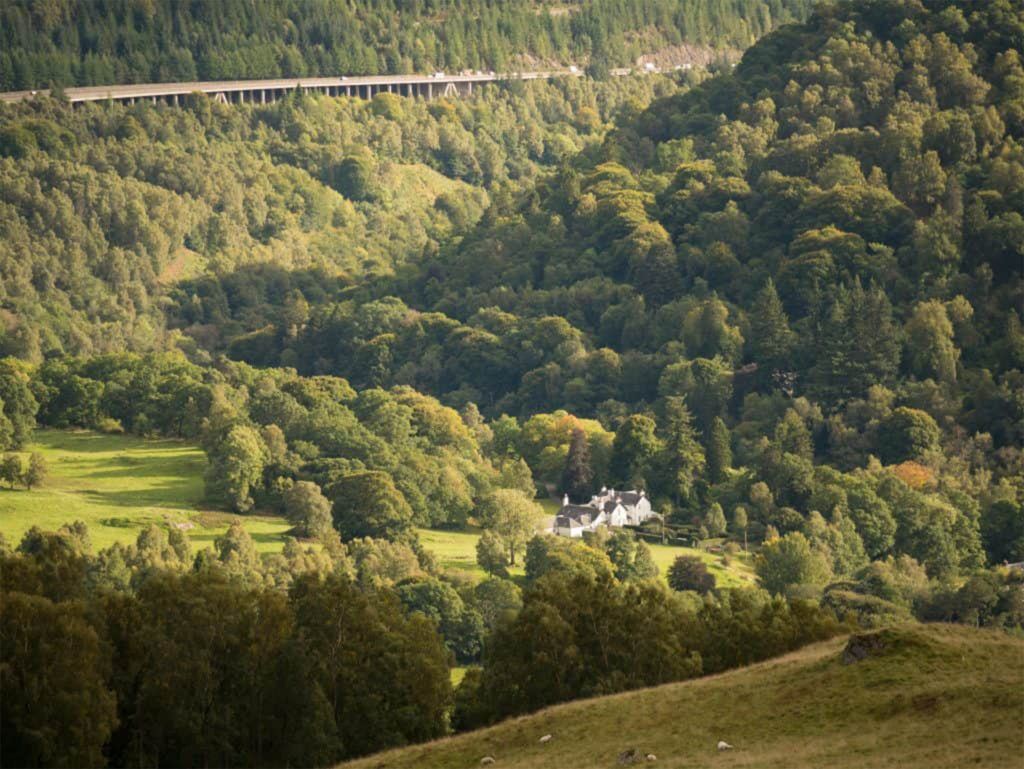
x: 807, y: 708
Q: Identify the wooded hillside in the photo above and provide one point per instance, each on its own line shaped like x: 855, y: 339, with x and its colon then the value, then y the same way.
x: 69, y: 43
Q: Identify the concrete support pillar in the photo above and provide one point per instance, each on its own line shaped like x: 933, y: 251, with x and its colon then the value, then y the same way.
x: 348, y: 90
x: 430, y: 90
x: 469, y: 87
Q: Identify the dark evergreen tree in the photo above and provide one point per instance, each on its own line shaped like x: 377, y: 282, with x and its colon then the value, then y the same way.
x: 770, y: 342
x: 682, y: 458
x: 719, y: 454
x: 857, y: 345
x: 578, y: 476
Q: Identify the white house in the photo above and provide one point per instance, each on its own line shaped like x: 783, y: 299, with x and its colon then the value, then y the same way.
x: 609, y: 508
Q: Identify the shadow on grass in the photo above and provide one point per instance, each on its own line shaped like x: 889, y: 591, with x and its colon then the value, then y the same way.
x: 170, y: 495
x: 259, y: 537
x: 87, y: 441
x: 180, y: 469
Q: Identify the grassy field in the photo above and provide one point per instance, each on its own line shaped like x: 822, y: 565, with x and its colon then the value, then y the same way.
x: 937, y: 696
x: 738, y: 573
x: 456, y: 550
x: 119, y: 485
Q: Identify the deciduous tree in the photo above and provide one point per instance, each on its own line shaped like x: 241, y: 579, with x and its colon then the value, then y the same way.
x: 37, y: 471
x: 512, y: 516
x: 307, y: 509
x: 689, y: 572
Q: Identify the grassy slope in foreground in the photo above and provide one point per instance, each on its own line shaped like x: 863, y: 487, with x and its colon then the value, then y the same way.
x: 937, y: 696
x: 118, y: 485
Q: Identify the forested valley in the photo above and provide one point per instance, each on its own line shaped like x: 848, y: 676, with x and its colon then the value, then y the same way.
x: 785, y: 299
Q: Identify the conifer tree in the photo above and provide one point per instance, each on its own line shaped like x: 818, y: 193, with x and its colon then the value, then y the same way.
x: 578, y: 477
x: 771, y: 340
x: 719, y: 454
x: 682, y: 458
x: 857, y: 345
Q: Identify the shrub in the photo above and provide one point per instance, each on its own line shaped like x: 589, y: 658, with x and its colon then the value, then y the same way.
x: 110, y: 426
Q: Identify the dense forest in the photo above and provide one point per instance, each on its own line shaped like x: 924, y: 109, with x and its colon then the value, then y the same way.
x: 784, y: 298
x: 67, y: 43
x: 795, y: 289
x: 106, y: 210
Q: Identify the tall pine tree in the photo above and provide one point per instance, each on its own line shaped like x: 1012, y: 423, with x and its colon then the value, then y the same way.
x: 682, y: 457
x: 719, y: 454
x: 770, y: 344
x: 578, y: 477
x: 857, y: 346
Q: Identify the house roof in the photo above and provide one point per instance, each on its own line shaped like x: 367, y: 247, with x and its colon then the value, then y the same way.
x: 604, y: 504
x: 577, y: 510
x: 566, y: 522
x: 629, y: 497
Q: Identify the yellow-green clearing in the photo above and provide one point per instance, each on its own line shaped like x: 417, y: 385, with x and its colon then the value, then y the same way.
x: 738, y: 573
x: 120, y: 484
x: 933, y: 697
x: 456, y: 551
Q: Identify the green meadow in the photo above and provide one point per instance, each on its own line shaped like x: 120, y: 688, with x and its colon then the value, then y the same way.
x: 738, y: 573
x: 456, y: 551
x: 120, y: 484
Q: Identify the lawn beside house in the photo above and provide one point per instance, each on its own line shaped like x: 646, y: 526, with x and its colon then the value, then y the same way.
x: 119, y: 484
